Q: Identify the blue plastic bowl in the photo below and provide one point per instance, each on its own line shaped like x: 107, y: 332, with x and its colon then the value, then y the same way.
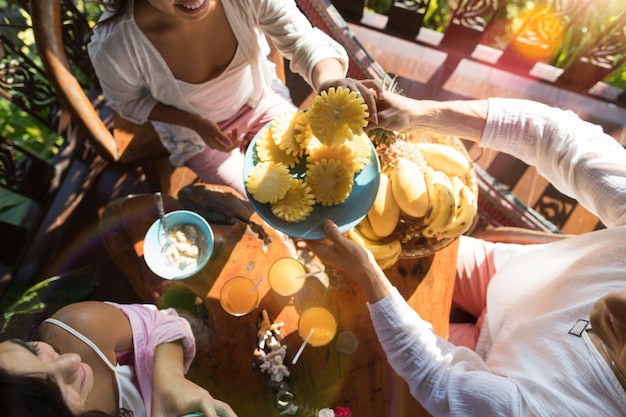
x: 155, y: 239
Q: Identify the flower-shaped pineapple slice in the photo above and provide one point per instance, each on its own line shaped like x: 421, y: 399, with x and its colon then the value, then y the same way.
x: 342, y: 153
x: 361, y: 147
x: 268, y: 151
x: 297, y: 204
x: 289, y: 130
x: 337, y: 115
x: 330, y: 180
x: 268, y: 181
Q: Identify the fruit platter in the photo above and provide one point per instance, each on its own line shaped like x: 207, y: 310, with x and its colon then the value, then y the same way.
x: 399, y: 195
x: 426, y: 198
x: 295, y: 178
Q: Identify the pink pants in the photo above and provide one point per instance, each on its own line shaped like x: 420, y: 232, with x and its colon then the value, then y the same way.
x: 216, y: 167
x: 477, y: 261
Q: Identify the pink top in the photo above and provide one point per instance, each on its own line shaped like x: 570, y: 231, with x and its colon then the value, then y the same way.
x: 151, y: 327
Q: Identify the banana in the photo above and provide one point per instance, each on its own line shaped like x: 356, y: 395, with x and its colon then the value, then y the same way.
x: 442, y: 200
x: 365, y: 228
x: 409, y: 188
x: 467, y: 207
x: 445, y: 158
x: 385, y: 213
x: 385, y: 253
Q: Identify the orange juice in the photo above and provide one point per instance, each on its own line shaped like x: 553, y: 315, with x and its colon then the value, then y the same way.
x: 237, y: 296
x: 321, y: 321
x: 281, y: 276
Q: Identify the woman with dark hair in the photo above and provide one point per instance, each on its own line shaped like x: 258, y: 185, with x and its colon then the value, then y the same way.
x: 199, y: 71
x: 105, y: 359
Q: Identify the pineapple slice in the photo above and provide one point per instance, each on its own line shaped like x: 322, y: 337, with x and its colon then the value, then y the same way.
x: 297, y: 204
x: 330, y: 180
x: 337, y: 115
x: 268, y: 151
x: 342, y: 153
x: 268, y: 181
x: 361, y: 148
x: 289, y: 130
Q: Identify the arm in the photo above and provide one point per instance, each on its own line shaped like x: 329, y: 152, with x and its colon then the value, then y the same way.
x: 445, y: 379
x: 173, y: 394
x: 209, y: 131
x: 577, y: 157
x: 164, y: 347
x: 461, y: 118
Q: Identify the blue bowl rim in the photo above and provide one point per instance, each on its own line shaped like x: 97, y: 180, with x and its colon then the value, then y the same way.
x: 156, y: 228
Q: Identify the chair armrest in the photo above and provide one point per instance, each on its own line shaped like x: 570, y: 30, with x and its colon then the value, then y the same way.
x: 46, y: 21
x: 519, y: 235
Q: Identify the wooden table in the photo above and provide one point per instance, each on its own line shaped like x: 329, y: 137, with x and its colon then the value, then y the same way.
x: 225, y: 365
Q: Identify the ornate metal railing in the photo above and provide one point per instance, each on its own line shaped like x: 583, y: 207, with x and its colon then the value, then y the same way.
x: 572, y: 44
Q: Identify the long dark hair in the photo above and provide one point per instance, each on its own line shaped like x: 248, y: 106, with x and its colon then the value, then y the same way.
x: 37, y: 396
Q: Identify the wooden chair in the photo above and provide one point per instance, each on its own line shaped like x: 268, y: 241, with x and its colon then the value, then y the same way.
x: 60, y: 30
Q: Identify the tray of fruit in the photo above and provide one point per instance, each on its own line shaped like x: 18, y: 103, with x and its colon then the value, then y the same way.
x: 307, y: 166
x: 426, y: 198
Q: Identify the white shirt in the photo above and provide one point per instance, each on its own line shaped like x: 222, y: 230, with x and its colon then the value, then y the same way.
x: 134, y: 76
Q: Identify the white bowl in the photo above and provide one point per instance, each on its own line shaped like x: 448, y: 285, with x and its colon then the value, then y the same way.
x: 155, y: 240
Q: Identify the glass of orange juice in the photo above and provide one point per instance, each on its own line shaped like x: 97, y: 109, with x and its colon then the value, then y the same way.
x: 286, y: 276
x: 239, y: 296
x: 321, y: 322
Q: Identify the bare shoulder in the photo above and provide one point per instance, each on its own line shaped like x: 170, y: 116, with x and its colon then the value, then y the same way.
x: 103, y: 324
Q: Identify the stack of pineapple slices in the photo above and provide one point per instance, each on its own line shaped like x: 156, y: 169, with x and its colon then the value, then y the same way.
x: 329, y: 141
x: 423, y: 188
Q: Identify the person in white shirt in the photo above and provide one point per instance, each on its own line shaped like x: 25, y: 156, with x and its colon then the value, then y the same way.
x: 198, y: 70
x: 553, y: 335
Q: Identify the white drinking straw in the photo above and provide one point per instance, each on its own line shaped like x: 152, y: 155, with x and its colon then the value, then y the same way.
x: 308, y: 274
x: 255, y: 286
x: 306, y: 340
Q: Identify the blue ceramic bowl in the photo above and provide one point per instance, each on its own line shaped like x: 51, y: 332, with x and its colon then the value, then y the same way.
x: 155, y: 239
x: 346, y: 215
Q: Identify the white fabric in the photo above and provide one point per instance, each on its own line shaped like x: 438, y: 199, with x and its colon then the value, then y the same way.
x: 128, y: 393
x: 134, y: 76
x: 216, y: 99
x: 526, y: 363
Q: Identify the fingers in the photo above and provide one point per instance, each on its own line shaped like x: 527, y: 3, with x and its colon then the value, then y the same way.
x: 216, y: 408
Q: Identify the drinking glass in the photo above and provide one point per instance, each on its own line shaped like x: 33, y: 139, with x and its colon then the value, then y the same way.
x: 321, y: 322
x: 239, y: 296
x: 286, y: 276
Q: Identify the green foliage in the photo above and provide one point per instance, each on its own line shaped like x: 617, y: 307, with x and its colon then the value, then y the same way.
x: 438, y: 15
x: 49, y: 294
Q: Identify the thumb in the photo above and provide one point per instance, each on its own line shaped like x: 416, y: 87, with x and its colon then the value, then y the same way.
x: 332, y: 231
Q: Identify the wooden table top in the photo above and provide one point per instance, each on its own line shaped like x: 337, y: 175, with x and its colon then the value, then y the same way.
x: 244, y: 245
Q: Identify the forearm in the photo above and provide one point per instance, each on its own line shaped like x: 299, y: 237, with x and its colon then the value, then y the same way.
x: 465, y: 119
x: 373, y: 281
x: 172, y: 115
x: 168, y: 361
x: 326, y: 70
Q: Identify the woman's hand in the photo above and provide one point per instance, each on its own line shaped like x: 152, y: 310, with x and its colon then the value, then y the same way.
x: 178, y: 396
x: 214, y: 137
x: 369, y: 90
x: 340, y: 252
x: 174, y: 395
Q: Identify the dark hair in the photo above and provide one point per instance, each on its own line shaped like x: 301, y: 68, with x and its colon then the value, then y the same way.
x: 116, y: 7
x: 35, y: 396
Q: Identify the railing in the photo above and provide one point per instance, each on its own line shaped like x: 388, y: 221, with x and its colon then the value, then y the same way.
x: 578, y: 45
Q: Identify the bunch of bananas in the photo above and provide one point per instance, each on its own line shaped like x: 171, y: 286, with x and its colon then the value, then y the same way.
x: 424, y: 193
